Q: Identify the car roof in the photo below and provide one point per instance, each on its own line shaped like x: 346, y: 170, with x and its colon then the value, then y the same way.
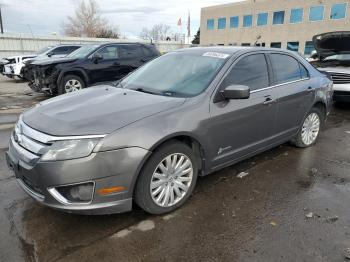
x: 232, y: 49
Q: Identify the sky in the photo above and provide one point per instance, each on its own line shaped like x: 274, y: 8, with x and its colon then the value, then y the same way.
x: 45, y: 17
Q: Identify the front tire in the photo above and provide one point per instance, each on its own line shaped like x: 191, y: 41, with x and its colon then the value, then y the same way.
x: 168, y: 178
x: 71, y: 83
x: 310, y: 129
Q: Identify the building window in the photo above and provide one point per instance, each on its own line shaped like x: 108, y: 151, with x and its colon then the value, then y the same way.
x: 309, y: 47
x: 316, y: 13
x: 338, y: 11
x: 221, y: 23
x: 293, y: 46
x: 262, y: 19
x: 245, y: 44
x: 234, y: 22
x: 278, y: 18
x: 210, y: 24
x: 296, y: 15
x: 276, y: 45
x: 247, y: 20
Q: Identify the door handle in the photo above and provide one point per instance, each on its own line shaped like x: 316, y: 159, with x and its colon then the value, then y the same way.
x: 116, y: 63
x: 269, y: 101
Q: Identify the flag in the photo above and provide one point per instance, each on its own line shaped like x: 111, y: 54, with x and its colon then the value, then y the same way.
x: 179, y: 23
x: 189, y: 25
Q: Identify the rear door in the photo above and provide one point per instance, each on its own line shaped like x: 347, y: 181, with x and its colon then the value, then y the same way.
x: 131, y: 57
x: 240, y: 127
x: 296, y: 91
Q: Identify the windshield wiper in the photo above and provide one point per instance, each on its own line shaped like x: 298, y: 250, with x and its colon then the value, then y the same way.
x: 145, y: 91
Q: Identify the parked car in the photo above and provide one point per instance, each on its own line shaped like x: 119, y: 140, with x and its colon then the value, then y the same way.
x: 185, y: 114
x: 49, y: 52
x: 333, y: 57
x: 12, y: 68
x: 89, y: 65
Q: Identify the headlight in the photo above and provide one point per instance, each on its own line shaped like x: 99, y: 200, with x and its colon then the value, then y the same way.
x: 69, y: 149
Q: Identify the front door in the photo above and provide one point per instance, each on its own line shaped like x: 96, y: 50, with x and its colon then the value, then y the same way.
x: 239, y: 127
x: 105, y: 69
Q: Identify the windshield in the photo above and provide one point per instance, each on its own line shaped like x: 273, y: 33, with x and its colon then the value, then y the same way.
x: 83, y: 51
x: 42, y: 51
x: 342, y: 57
x: 176, y: 74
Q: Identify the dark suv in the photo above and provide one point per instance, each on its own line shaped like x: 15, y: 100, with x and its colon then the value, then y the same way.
x: 89, y: 65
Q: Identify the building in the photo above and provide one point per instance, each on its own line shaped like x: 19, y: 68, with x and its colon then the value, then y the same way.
x: 273, y: 23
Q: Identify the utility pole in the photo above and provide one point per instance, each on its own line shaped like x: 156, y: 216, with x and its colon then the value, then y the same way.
x: 1, y: 25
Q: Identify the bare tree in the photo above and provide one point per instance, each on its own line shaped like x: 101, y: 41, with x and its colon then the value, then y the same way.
x: 158, y: 32
x: 109, y: 32
x: 145, y: 34
x: 88, y: 22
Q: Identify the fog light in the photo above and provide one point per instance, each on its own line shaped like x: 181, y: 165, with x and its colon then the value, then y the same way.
x: 78, y: 193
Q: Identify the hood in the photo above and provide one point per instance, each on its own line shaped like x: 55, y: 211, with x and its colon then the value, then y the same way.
x: 332, y: 43
x: 95, y: 111
x: 52, y: 61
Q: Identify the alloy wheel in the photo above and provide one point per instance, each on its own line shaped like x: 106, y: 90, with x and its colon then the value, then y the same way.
x: 72, y: 85
x: 171, y: 180
x: 310, y: 129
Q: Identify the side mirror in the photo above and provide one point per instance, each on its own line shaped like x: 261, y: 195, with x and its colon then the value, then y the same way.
x: 236, y: 92
x: 96, y: 57
x: 49, y: 54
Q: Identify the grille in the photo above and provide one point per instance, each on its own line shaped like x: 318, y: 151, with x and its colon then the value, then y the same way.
x: 32, y: 141
x: 340, y: 78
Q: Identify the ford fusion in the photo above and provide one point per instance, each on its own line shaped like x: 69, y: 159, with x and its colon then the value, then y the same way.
x: 147, y: 138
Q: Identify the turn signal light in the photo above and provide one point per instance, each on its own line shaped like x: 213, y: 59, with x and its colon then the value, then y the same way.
x: 111, y: 190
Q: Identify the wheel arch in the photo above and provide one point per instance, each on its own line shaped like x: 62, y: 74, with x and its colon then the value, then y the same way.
x: 77, y: 72
x: 185, y: 138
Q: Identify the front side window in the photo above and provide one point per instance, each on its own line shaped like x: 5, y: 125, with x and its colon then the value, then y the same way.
x: 278, y: 18
x: 221, y: 23
x: 84, y: 51
x: 179, y: 74
x: 276, y: 45
x: 293, y: 46
x: 285, y: 68
x: 210, y: 24
x: 296, y: 15
x: 309, y: 47
x: 262, y: 19
x: 108, y: 52
x: 316, y: 13
x: 250, y: 71
x: 234, y: 22
x: 60, y: 50
x: 247, y: 20
x: 338, y: 11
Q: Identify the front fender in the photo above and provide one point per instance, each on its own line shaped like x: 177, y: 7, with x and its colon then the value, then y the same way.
x: 72, y: 71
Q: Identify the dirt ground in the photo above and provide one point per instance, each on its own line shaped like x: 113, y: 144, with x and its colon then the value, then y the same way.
x: 291, y: 206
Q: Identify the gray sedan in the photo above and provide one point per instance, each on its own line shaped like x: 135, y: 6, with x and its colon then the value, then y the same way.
x: 147, y: 138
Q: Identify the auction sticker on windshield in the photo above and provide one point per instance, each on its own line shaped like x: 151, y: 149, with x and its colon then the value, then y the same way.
x: 216, y: 55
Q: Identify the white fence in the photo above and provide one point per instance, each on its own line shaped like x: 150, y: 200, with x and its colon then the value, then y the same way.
x: 15, y: 44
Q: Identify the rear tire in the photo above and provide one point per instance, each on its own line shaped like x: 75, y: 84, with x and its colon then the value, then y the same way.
x: 70, y: 83
x: 310, y: 129
x: 167, y: 179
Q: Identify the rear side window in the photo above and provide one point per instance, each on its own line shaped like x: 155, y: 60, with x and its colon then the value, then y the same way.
x: 303, y: 72
x: 129, y: 51
x: 73, y: 48
x: 250, y: 71
x: 285, y: 68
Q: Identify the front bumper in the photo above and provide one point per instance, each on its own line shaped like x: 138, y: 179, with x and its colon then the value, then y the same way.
x: 105, y: 169
x: 341, y: 92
